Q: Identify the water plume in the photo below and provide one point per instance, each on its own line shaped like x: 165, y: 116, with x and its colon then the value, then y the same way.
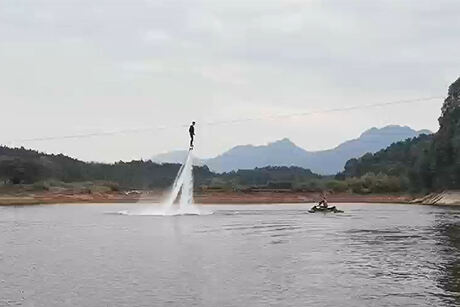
x: 181, y: 191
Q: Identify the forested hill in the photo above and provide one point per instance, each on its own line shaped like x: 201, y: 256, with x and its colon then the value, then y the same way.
x: 429, y: 162
x: 24, y: 166
x: 407, y: 160
x: 19, y: 165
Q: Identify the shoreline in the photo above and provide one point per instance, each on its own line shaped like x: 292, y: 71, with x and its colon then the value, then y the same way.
x: 207, y: 198
x: 446, y: 198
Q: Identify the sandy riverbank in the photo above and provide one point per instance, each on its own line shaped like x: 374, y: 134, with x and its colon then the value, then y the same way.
x: 201, y: 198
x: 446, y: 198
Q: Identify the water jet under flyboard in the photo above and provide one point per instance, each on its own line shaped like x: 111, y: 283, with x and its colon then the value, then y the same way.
x: 182, y: 190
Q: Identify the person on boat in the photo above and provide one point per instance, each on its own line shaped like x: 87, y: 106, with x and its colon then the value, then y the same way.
x: 191, y: 131
x: 323, y: 203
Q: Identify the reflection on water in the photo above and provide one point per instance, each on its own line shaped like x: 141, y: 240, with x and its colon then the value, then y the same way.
x: 449, y: 249
x: 373, y: 255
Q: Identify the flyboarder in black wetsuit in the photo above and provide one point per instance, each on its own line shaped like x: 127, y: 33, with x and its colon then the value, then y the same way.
x: 191, y: 130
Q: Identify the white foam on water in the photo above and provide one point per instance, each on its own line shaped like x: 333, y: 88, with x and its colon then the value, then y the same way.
x: 183, y: 184
x: 161, y: 212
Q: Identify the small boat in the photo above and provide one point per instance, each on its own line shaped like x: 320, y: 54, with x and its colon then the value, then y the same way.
x: 317, y: 208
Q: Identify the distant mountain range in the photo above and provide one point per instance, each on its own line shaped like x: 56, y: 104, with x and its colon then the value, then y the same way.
x: 286, y: 153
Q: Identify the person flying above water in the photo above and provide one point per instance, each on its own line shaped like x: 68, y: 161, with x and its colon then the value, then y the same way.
x: 191, y: 130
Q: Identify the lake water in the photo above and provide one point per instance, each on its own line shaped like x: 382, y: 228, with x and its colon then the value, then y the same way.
x: 277, y: 255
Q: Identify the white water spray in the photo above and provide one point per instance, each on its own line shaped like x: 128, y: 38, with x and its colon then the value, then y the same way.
x: 183, y: 184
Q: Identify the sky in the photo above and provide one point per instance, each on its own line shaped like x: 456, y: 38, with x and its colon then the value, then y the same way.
x: 77, y: 67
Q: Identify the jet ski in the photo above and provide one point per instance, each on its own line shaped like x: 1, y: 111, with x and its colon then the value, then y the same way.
x: 318, y: 208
